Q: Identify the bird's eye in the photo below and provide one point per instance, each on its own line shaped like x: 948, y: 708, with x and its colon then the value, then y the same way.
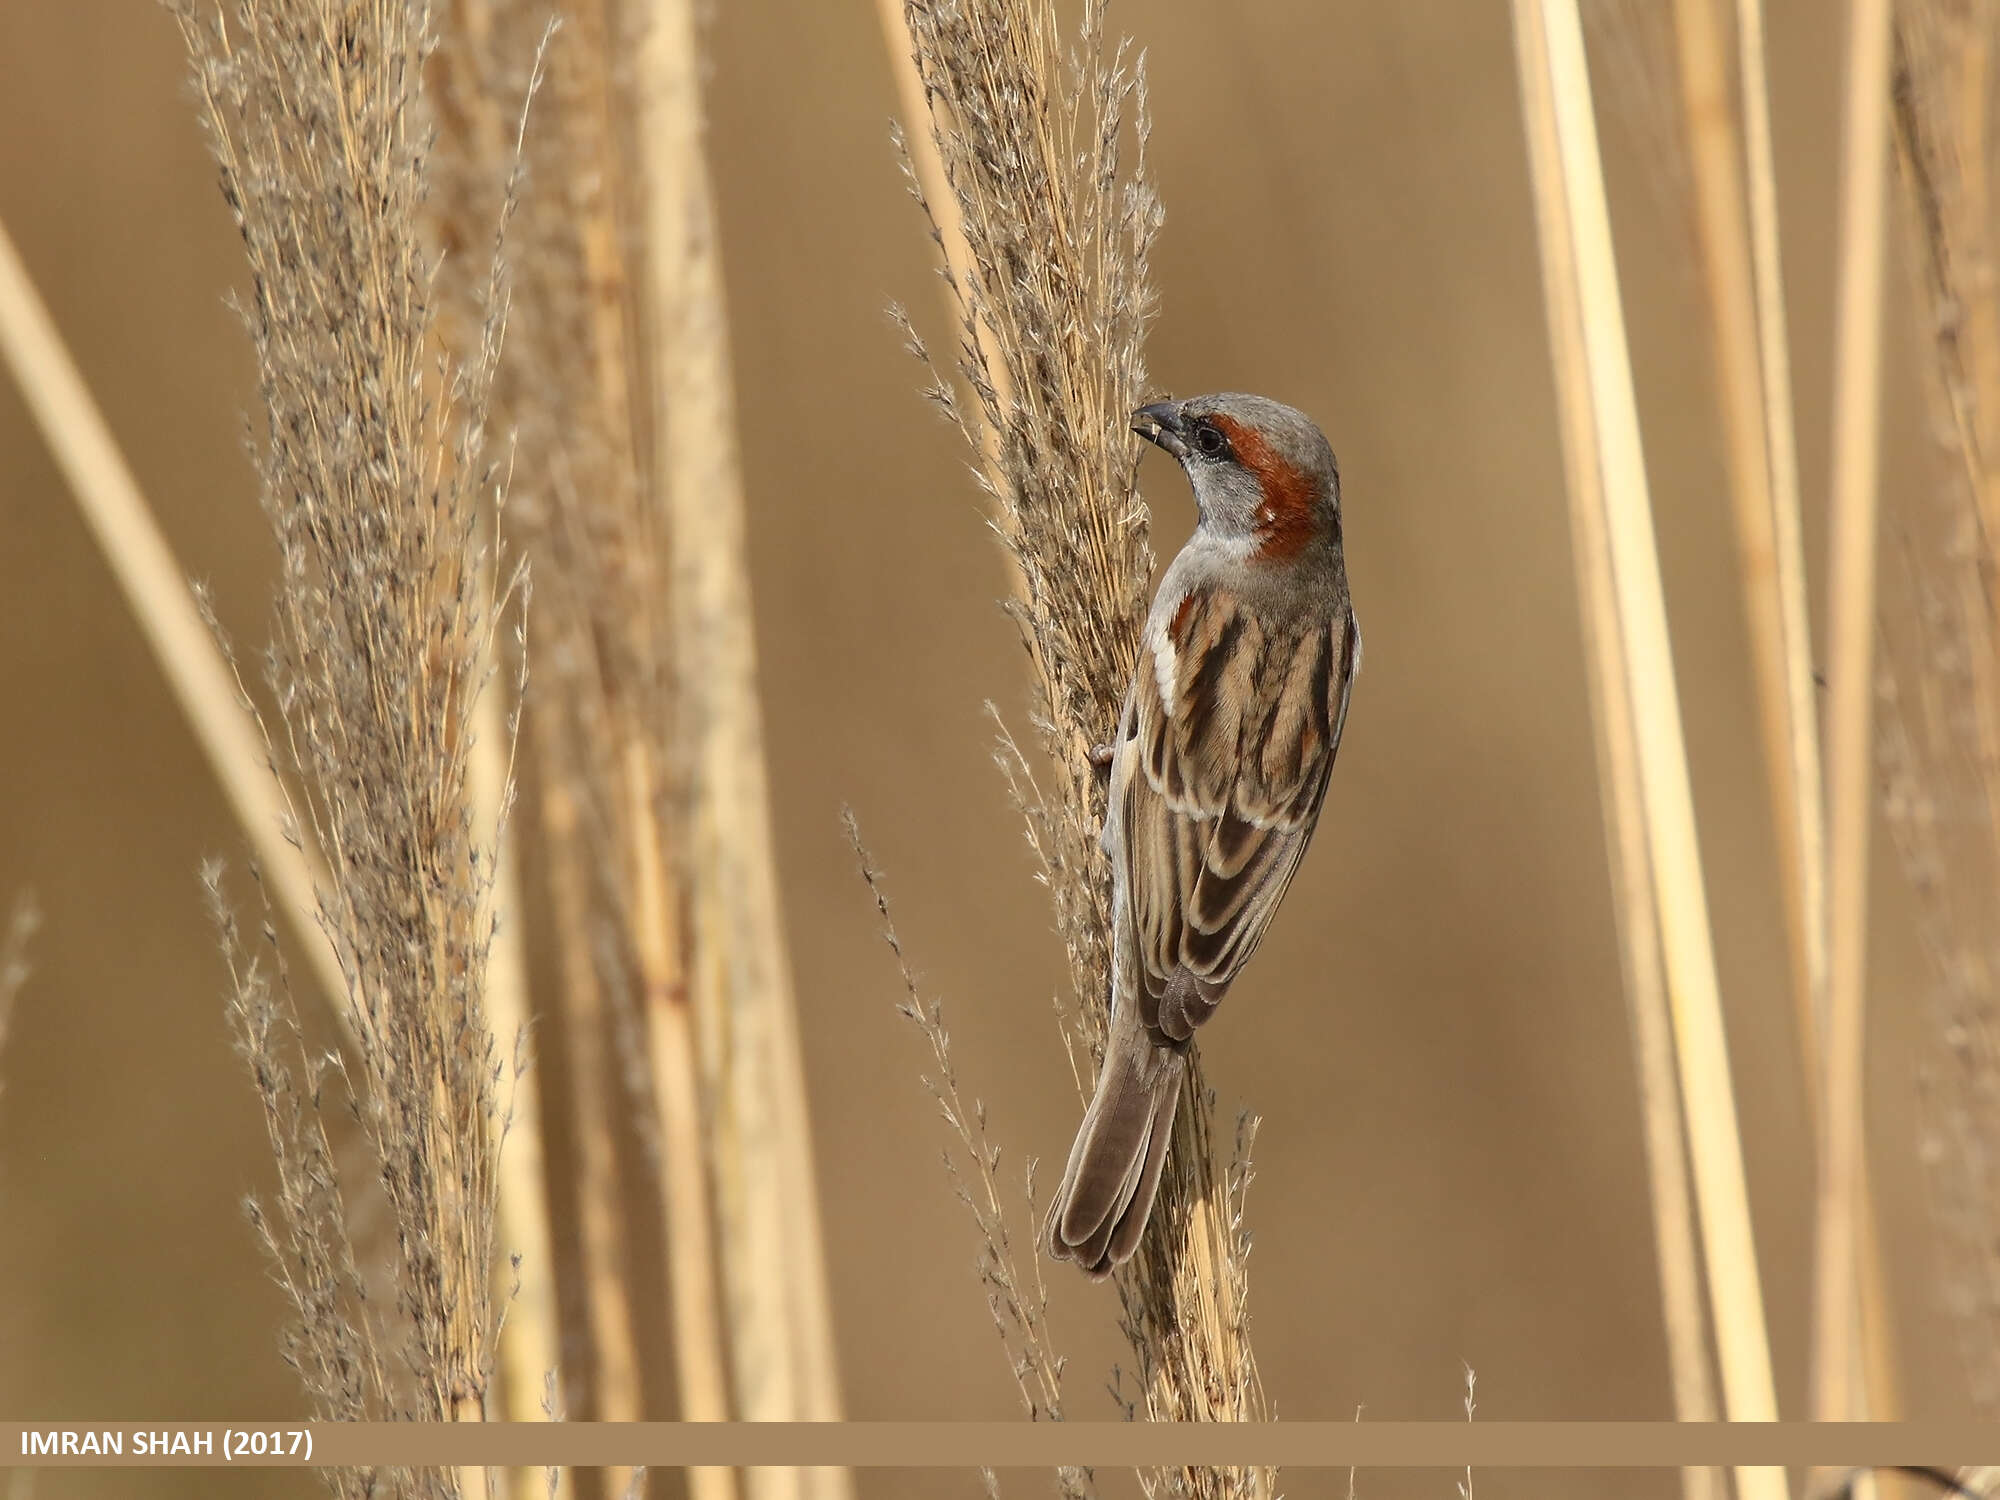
x: 1210, y: 440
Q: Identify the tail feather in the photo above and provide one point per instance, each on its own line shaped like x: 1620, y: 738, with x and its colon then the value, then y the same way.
x: 1100, y: 1211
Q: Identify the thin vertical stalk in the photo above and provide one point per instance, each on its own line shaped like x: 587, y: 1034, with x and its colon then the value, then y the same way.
x: 927, y: 162
x: 162, y: 605
x: 1551, y: 43
x: 1735, y: 190
x: 611, y: 1365
x: 1677, y: 1250
x: 529, y: 1343
x: 699, y: 1351
x: 738, y: 982
x: 1850, y: 750
x: 1878, y: 1355
x: 1753, y: 387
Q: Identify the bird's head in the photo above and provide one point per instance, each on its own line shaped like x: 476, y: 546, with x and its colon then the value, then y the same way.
x: 1260, y: 470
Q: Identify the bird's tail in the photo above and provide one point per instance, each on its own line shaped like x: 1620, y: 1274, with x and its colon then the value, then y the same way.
x: 1107, y: 1191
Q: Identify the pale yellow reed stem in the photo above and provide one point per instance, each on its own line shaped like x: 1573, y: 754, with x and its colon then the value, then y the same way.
x: 1877, y: 1341
x: 157, y: 593
x: 739, y: 982
x: 1753, y: 386
x: 1736, y: 198
x: 1677, y: 1251
x: 1551, y: 43
x: 929, y: 167
x: 700, y: 1359
x: 612, y: 1381
x: 1850, y: 743
x: 529, y: 1341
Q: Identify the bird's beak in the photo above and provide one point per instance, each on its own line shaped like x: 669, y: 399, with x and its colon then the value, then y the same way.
x: 1161, y: 423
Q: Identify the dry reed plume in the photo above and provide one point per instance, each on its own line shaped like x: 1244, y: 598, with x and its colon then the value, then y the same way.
x: 373, y: 470
x: 1055, y: 224
x: 1939, y: 742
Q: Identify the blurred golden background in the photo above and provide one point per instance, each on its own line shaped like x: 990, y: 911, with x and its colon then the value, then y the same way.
x: 1449, y: 1171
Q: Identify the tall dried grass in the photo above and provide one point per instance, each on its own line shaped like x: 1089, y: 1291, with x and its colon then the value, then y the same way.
x: 373, y: 469
x: 1712, y: 134
x: 1618, y: 565
x: 1051, y: 296
x: 1857, y: 423
x: 1677, y: 1250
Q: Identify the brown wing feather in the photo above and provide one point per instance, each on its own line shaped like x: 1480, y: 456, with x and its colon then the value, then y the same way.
x: 1219, y: 801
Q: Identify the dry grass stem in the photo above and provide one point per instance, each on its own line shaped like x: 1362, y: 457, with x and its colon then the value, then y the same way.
x: 1805, y: 822
x: 1018, y: 1299
x: 530, y: 1342
x: 1677, y: 1250
x: 1939, y: 734
x: 1850, y: 750
x: 157, y: 593
x: 1031, y: 134
x: 738, y: 982
x: 1746, y: 323
x: 607, y: 1381
x: 1562, y: 128
x: 600, y: 712
x: 372, y: 476
x: 1876, y: 1336
x: 651, y: 773
x: 604, y: 718
x: 1735, y: 199
x: 933, y: 188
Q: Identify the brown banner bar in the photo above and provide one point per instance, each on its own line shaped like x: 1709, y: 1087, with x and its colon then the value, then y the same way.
x: 1539, y: 1445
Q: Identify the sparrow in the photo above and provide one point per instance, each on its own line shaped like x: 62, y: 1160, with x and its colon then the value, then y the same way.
x: 1216, y: 777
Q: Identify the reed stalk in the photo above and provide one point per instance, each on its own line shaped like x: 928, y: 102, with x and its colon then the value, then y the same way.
x: 607, y: 1378
x: 646, y: 722
x: 1583, y: 274
x: 1746, y: 320
x: 1741, y: 265
x: 600, y: 714
x: 164, y: 607
x: 530, y: 1343
x: 1677, y: 1252
x: 1735, y: 194
x: 738, y: 983
x: 1850, y: 710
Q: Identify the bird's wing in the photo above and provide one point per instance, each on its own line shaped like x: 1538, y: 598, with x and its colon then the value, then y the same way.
x: 1226, y: 743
